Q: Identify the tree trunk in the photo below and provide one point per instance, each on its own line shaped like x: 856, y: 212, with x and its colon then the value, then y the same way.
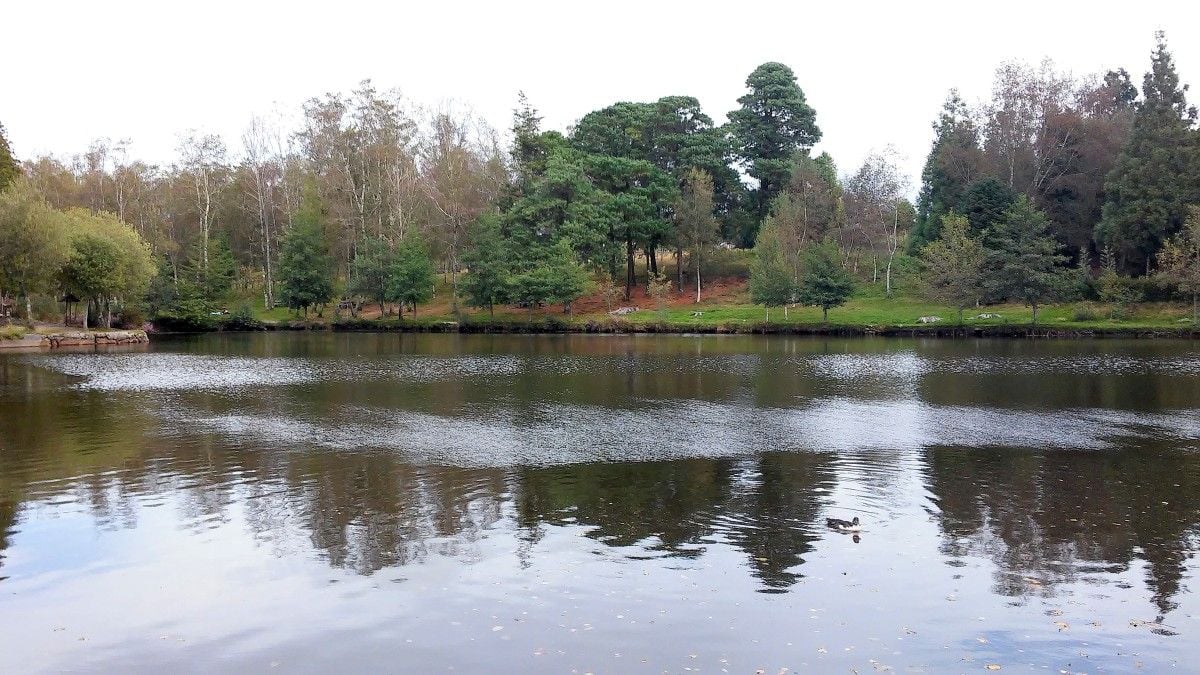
x: 453, y: 279
x: 628, y: 265
x: 28, y: 311
x: 697, y: 281
x: 1034, y: 305
x: 785, y: 314
x: 679, y: 269
x: 649, y: 273
x: 888, y: 278
x: 768, y: 314
x: 960, y: 316
x: 825, y: 315
x: 87, y: 310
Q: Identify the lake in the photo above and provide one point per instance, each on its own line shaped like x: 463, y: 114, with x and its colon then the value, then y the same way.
x: 428, y: 503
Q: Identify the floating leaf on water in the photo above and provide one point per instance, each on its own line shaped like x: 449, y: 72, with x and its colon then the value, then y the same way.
x: 993, y: 666
x: 1062, y: 625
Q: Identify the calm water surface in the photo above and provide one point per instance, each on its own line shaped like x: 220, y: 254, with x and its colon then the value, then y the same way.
x: 424, y: 503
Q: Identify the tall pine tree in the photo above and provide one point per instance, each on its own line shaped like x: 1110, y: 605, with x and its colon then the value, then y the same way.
x: 1147, y: 192
x: 305, y: 266
x: 773, y: 122
x: 953, y: 164
x: 1024, y: 262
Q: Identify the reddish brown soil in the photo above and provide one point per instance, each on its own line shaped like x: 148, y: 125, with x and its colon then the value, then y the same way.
x: 718, y: 291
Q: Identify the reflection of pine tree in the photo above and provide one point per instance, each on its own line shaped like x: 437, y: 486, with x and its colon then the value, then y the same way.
x: 1031, y: 512
x: 773, y: 519
x: 664, y: 505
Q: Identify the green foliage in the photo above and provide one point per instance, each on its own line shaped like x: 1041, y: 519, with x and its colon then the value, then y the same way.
x: 771, y: 281
x: 557, y: 278
x: 162, y: 292
x: 216, y: 281
x: 9, y: 168
x: 108, y: 264
x: 946, y: 177
x: 33, y: 242
x: 486, y: 281
x: 696, y: 229
x: 986, y: 202
x: 93, y: 267
x: 528, y: 150
x: 242, y: 319
x: 1155, y: 176
x: 412, y: 276
x: 810, y: 207
x: 825, y: 284
x: 567, y: 278
x: 562, y: 202
x: 1180, y: 261
x: 1023, y: 260
x: 773, y: 121
x: 305, y: 270
x: 370, y: 273
x: 1114, y: 288
x: 632, y: 210
x: 954, y: 265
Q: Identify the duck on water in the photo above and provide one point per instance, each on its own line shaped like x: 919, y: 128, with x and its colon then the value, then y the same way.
x: 843, y: 525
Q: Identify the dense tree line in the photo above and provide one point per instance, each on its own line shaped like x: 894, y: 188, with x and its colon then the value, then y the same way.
x: 1069, y: 185
x: 1057, y: 188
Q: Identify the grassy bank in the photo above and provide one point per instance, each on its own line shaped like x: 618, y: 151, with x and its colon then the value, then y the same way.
x: 726, y: 309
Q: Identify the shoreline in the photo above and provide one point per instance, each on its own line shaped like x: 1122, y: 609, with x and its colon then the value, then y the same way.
x: 76, y: 339
x: 551, y: 325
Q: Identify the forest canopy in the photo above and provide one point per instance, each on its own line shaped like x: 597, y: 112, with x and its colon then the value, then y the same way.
x: 374, y: 201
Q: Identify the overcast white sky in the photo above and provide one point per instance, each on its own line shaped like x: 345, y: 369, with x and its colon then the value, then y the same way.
x: 876, y: 72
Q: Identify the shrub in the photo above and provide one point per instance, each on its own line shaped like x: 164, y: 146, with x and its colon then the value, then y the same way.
x: 242, y: 319
x: 131, y: 316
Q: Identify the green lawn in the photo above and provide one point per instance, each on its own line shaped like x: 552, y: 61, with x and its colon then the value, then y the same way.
x: 864, y: 310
